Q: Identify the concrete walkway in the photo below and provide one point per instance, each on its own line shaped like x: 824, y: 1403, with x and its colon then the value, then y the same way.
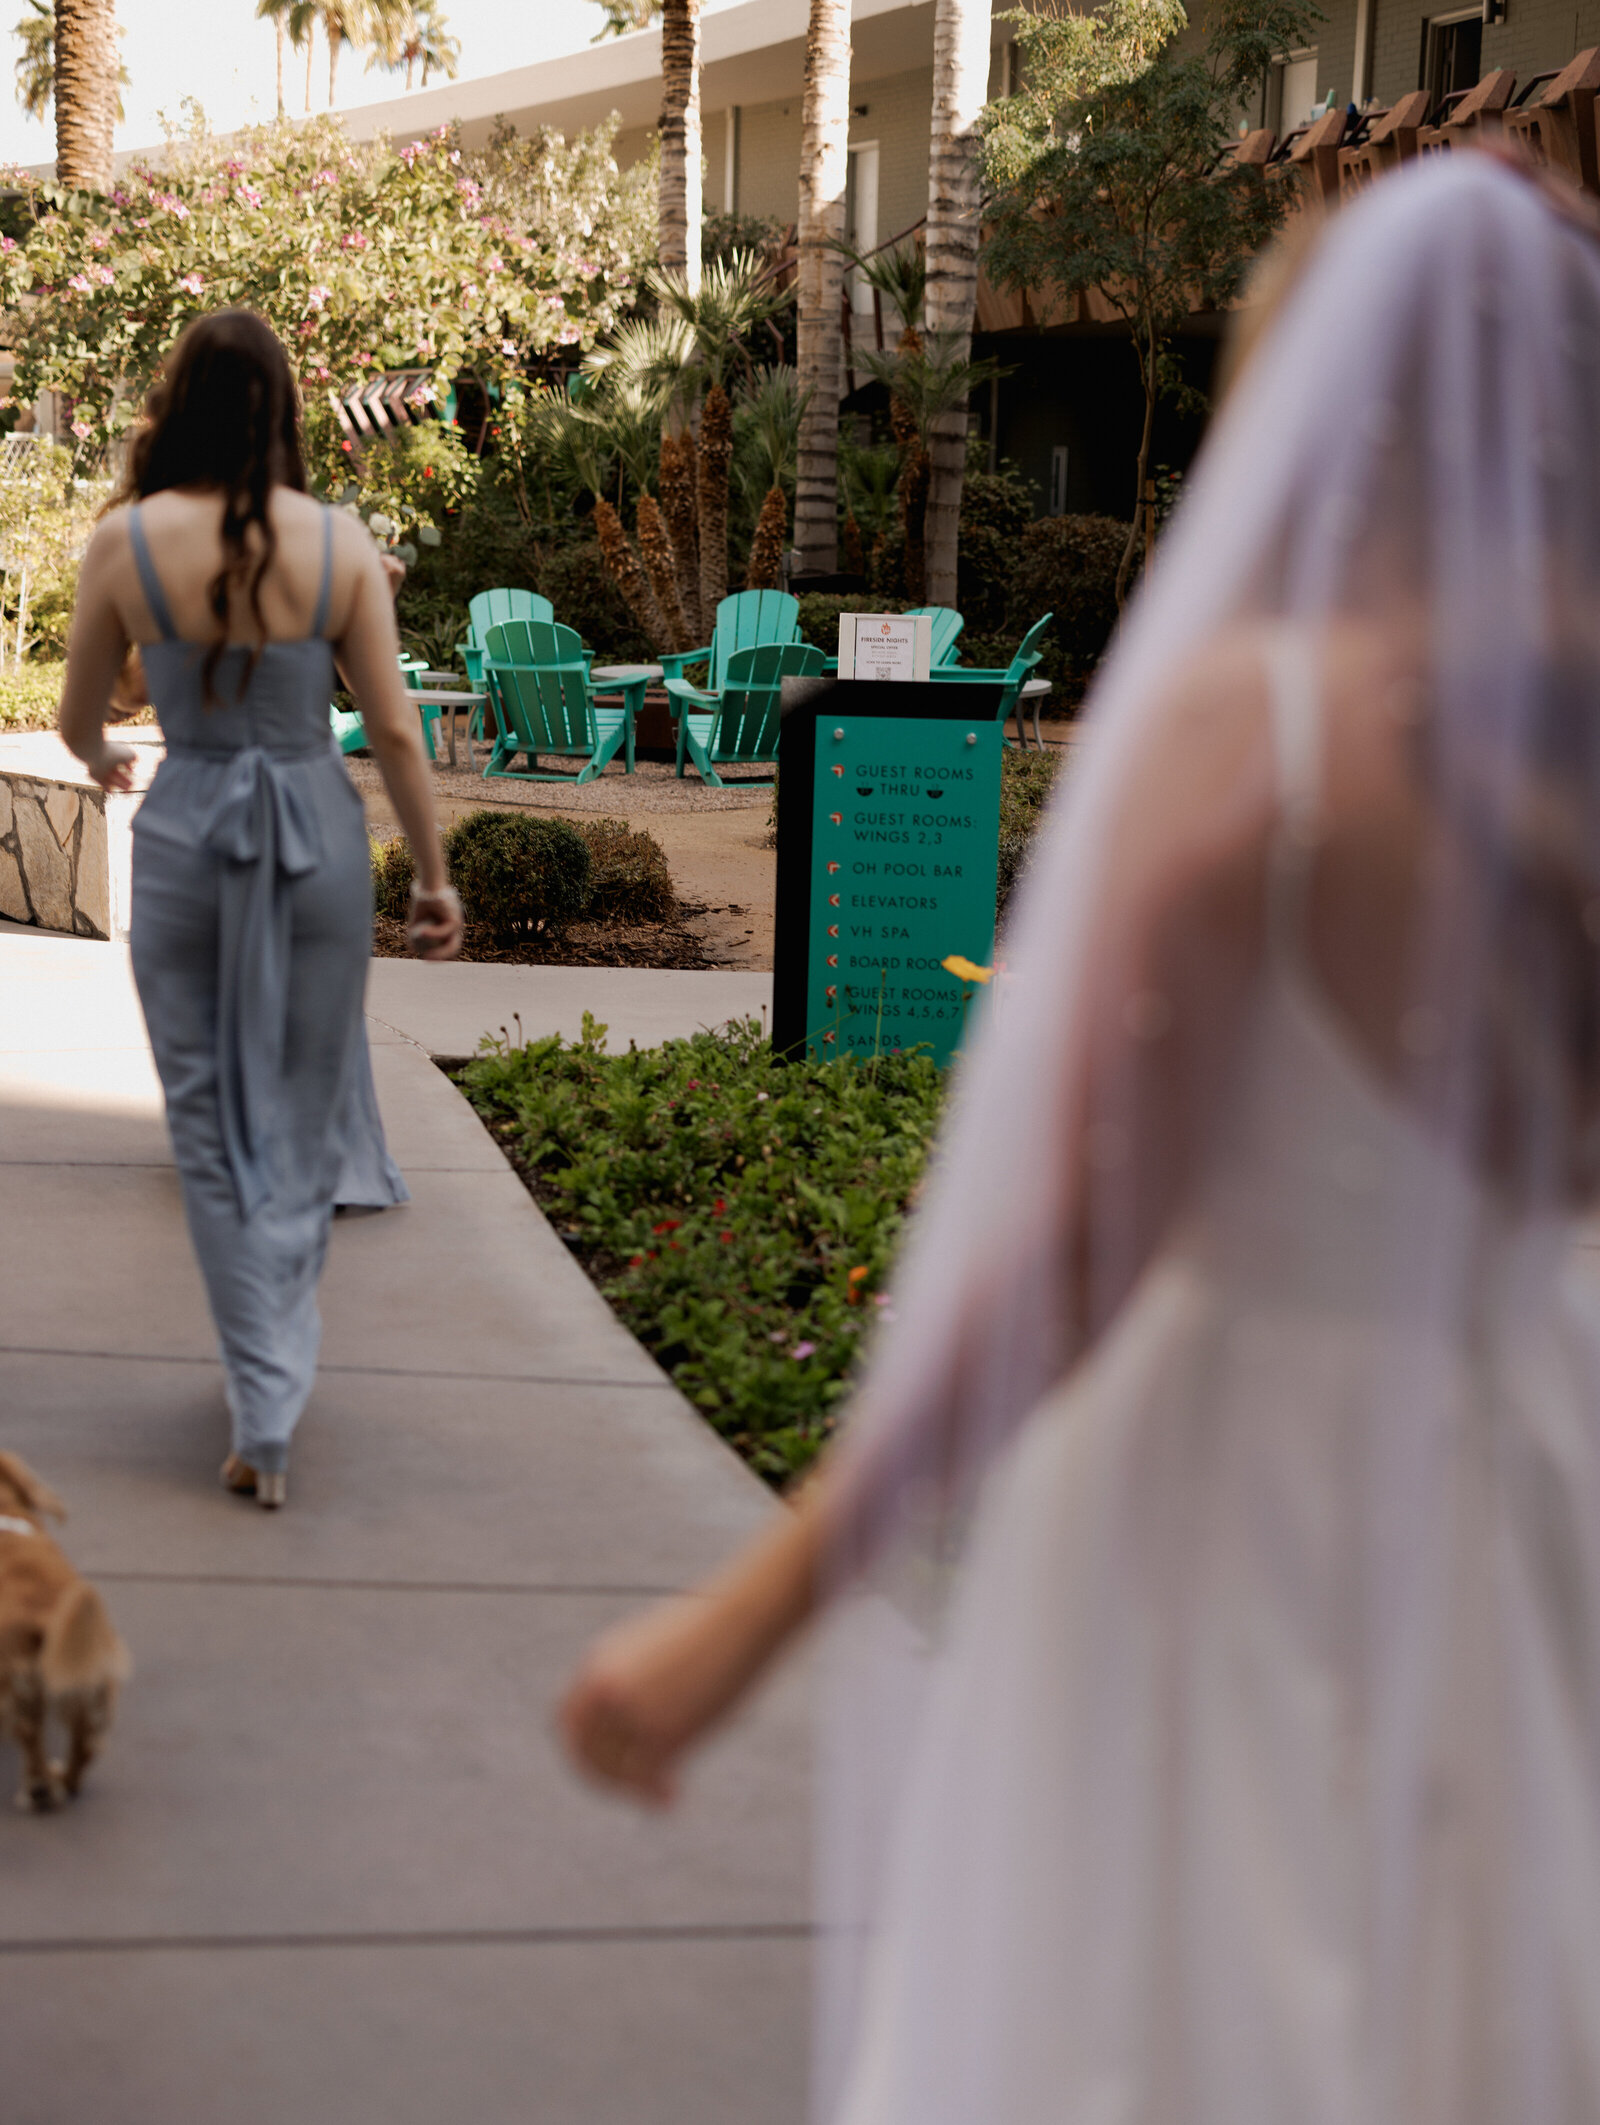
x: 331, y: 1870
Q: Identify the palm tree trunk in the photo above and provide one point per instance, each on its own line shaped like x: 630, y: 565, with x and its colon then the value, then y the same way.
x: 716, y: 455
x: 824, y: 163
x: 622, y: 565
x: 86, y: 68
x: 411, y: 60
x: 766, y: 548
x: 960, y: 84
x: 679, y: 477
x: 311, y: 39
x: 655, y: 550
x: 335, y: 40
x: 278, y: 35
x: 679, y: 211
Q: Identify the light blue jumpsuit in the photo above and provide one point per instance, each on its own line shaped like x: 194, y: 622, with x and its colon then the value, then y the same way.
x: 251, y: 933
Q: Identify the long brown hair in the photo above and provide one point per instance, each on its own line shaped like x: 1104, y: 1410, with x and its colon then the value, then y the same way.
x: 224, y: 413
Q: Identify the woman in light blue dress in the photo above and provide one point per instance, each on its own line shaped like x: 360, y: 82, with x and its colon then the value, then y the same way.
x: 252, y: 911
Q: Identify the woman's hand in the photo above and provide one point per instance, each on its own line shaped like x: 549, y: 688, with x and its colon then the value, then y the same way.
x: 434, y: 927
x: 647, y: 1690
x: 653, y: 1686
x: 112, y: 765
x: 394, y: 572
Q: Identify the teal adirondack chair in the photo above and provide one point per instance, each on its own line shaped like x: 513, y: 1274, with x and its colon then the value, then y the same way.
x: 1010, y: 679
x: 546, y: 705
x: 747, y: 620
x: 947, y: 624
x: 349, y: 732
x: 492, y: 608
x: 738, y: 724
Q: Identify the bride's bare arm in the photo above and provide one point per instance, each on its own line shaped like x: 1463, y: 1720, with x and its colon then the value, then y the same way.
x: 368, y: 651
x: 96, y: 649
x: 1176, y: 946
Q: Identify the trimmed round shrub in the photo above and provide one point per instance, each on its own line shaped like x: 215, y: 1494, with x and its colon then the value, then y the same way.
x: 820, y: 610
x: 518, y: 873
x: 1067, y: 565
x: 630, y: 881
x: 1026, y: 781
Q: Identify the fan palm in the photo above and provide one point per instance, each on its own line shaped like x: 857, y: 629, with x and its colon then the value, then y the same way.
x: 595, y: 431
x: 735, y: 297
x: 768, y: 432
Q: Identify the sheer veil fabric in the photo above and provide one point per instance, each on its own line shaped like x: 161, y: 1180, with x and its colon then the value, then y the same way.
x: 1214, y: 1687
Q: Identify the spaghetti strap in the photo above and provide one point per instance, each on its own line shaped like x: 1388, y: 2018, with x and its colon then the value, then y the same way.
x: 1297, y: 749
x: 319, y: 620
x: 154, y: 596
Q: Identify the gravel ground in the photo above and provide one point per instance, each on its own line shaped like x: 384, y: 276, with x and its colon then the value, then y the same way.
x: 652, y: 787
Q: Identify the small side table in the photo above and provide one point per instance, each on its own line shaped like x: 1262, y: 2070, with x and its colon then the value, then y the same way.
x: 630, y: 681
x: 1033, y: 693
x: 447, y: 703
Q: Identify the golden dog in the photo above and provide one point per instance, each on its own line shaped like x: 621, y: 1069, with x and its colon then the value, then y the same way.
x: 58, y: 1652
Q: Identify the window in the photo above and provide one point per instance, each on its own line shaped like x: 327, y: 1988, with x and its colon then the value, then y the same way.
x: 1291, y: 92
x: 1058, y: 480
x: 1452, y: 55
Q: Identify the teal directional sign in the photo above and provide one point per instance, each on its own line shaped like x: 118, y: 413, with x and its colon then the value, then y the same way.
x: 888, y: 844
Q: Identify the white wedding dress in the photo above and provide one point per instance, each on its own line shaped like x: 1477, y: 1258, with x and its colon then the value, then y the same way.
x: 1198, y: 1827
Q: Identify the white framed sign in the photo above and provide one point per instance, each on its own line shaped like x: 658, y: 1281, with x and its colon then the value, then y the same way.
x: 885, y: 645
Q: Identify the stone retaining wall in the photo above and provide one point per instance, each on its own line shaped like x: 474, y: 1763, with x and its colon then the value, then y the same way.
x: 66, y: 845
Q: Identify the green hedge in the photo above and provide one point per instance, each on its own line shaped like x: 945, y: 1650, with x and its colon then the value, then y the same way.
x: 29, y: 697
x: 741, y: 1214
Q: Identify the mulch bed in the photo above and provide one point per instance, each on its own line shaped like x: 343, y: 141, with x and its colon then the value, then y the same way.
x: 580, y: 944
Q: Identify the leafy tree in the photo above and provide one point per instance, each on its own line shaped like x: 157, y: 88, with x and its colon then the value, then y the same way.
x: 366, y: 259
x: 1104, y: 170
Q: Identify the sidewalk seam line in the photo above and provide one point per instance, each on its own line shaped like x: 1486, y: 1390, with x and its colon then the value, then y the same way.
x: 464, y: 1937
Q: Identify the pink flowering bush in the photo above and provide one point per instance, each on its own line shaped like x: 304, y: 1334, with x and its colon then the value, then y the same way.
x: 366, y: 259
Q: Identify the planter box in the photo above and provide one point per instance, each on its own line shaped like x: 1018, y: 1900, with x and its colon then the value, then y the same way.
x: 66, y: 846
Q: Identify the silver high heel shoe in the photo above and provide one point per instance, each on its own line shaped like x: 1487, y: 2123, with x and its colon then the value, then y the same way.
x: 270, y: 1489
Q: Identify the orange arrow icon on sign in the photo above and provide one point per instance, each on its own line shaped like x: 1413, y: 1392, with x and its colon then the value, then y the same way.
x: 837, y: 818
x: 833, y: 929
x: 833, y: 959
x: 832, y: 867
x: 833, y: 900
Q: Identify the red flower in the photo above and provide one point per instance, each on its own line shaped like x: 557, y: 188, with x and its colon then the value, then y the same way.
x: 667, y: 1224
x: 726, y: 1238
x: 636, y: 1261
x: 719, y: 1206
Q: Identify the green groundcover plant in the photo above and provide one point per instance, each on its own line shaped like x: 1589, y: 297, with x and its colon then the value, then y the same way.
x: 739, y: 1212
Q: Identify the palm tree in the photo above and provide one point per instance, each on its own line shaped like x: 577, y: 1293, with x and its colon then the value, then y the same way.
x: 769, y: 423
x: 735, y: 297
x: 960, y: 85
x: 86, y: 72
x: 277, y: 13
x: 589, y: 431
x: 929, y: 381
x: 36, y: 67
x: 824, y: 164
x: 679, y: 210
x: 407, y: 35
x: 655, y: 354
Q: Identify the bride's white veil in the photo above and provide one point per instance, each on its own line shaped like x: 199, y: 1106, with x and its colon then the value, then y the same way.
x: 1405, y: 482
